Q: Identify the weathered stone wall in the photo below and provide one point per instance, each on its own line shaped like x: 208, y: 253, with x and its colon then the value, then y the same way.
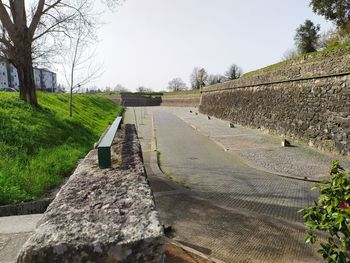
x: 181, y: 101
x: 314, y: 110
x: 101, y: 215
x: 135, y: 100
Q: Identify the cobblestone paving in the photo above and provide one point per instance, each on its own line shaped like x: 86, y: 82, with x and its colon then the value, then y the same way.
x: 260, y: 149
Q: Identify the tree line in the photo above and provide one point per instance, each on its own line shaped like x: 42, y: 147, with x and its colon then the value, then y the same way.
x: 200, y: 78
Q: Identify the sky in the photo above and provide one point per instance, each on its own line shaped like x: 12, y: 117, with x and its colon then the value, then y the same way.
x: 150, y: 42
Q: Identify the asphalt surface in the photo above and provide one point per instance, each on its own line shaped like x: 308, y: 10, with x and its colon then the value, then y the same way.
x: 14, y: 232
x: 196, y: 162
x: 217, y: 204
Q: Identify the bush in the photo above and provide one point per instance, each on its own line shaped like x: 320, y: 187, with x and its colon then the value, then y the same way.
x: 331, y: 214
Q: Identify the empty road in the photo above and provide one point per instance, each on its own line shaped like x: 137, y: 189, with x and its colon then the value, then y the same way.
x: 226, y: 209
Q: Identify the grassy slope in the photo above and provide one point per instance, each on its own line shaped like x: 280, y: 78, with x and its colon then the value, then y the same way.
x: 313, y: 56
x: 39, y: 147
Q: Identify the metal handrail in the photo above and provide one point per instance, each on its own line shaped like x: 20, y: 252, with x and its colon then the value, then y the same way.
x: 104, y: 146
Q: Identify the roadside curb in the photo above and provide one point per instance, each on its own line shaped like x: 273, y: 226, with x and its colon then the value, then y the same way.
x: 26, y: 208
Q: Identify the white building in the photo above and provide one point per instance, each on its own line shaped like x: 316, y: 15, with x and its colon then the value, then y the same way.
x: 44, y: 79
x: 37, y: 78
x: 12, y: 77
x: 48, y: 80
x: 3, y: 75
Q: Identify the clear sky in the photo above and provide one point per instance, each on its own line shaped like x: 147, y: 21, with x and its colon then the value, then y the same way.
x: 149, y: 42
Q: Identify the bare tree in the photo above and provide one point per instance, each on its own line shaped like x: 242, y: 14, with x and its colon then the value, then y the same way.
x: 176, y: 84
x: 215, y: 79
x: 78, y: 65
x: 120, y: 88
x: 198, y: 78
x: 142, y: 89
x: 234, y: 72
x: 289, y: 54
x: 25, y: 28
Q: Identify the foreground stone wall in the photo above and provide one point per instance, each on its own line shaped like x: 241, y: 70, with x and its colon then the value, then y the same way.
x: 101, y: 215
x: 314, y: 110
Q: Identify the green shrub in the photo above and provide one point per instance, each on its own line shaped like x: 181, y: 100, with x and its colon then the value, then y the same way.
x: 331, y: 214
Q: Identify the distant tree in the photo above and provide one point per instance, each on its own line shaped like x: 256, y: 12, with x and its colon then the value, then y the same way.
x: 234, y: 72
x: 307, y: 36
x: 337, y: 11
x: 176, y: 84
x: 108, y: 89
x: 289, y: 54
x: 215, y: 79
x: 120, y: 88
x: 142, y: 89
x: 198, y: 78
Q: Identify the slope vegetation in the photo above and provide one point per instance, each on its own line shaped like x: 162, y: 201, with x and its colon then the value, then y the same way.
x: 39, y: 147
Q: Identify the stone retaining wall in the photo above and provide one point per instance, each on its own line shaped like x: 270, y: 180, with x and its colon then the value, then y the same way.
x: 135, y: 100
x: 101, y: 215
x: 181, y: 101
x: 314, y: 110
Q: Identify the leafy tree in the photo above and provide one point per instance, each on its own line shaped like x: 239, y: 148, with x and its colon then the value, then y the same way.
x: 337, y: 11
x: 306, y: 37
x: 215, y: 79
x: 198, y: 78
x: 176, y: 84
x: 331, y: 214
x: 234, y: 72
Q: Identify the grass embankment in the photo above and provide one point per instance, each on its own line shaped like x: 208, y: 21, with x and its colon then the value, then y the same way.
x: 330, y: 52
x: 39, y: 147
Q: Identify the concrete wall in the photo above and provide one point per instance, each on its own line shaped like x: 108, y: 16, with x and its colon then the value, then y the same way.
x: 314, y: 110
x: 101, y: 215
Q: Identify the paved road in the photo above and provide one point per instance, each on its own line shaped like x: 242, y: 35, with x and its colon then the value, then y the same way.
x: 198, y: 163
x: 219, y: 205
x: 14, y: 232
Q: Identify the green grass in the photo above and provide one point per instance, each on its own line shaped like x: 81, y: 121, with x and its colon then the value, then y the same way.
x: 333, y: 51
x: 39, y: 147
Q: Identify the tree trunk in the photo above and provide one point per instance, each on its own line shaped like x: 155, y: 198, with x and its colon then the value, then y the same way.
x: 26, y: 83
x: 71, y: 102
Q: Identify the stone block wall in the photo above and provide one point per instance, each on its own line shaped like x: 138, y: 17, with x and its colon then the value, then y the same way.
x: 136, y: 100
x: 314, y: 110
x: 181, y: 101
x: 101, y: 215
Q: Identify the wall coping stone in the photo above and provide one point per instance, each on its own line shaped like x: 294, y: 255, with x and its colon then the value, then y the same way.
x: 222, y: 86
x: 101, y: 215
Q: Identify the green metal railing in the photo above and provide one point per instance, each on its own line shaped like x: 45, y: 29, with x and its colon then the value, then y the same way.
x: 104, y: 147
